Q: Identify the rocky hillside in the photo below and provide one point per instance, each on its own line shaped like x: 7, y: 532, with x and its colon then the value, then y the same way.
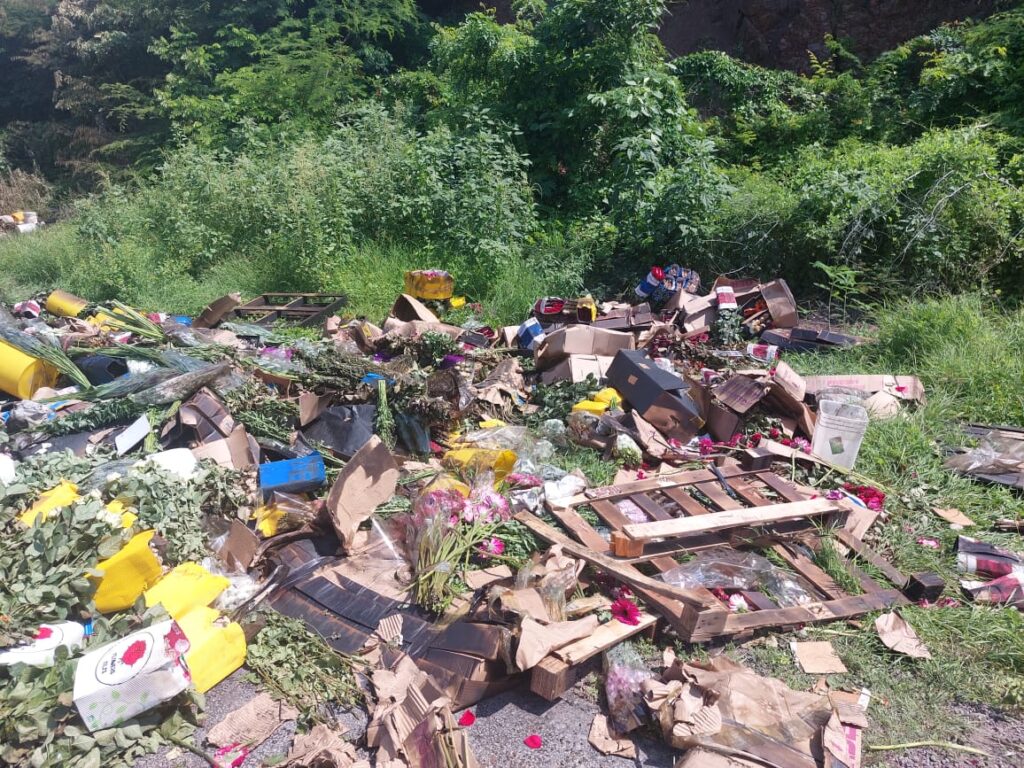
x: 779, y: 33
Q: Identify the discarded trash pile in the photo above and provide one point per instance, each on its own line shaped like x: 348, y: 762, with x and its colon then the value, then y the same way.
x: 19, y: 222
x: 173, y: 488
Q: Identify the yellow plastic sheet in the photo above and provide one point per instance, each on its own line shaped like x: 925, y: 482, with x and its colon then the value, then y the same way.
x: 127, y: 574
x: 590, y: 406
x: 216, y: 647
x: 64, y: 494
x: 186, y: 587
x: 609, y: 396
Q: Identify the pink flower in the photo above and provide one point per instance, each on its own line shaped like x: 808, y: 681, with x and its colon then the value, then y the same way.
x: 626, y: 611
x: 834, y: 495
x: 230, y: 756
x: 487, y: 505
x: 706, y: 446
x: 492, y: 546
x: 928, y: 542
x: 900, y: 389
x: 640, y: 474
x: 774, y: 433
x: 533, y: 741
x: 801, y: 444
x: 43, y: 633
x: 523, y: 480
x: 467, y: 719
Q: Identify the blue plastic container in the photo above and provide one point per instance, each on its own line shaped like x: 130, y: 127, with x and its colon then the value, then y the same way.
x: 530, y: 334
x: 306, y: 473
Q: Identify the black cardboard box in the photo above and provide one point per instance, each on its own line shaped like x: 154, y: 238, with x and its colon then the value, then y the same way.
x: 659, y: 396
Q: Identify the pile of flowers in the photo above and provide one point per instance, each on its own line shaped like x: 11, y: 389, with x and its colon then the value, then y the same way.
x: 444, y: 531
x: 707, y: 446
x: 873, y: 498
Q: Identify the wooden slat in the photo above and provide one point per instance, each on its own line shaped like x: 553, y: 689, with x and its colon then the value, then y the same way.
x: 891, y: 572
x: 737, y: 518
x: 579, y: 528
x: 611, y: 514
x: 686, y: 502
x: 718, y: 497
x: 784, y: 488
x: 650, y: 506
x: 843, y: 608
x: 617, y: 520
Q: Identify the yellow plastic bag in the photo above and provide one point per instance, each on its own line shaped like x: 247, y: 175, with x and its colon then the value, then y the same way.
x: 479, y: 460
x: 590, y: 406
x: 216, y: 647
x: 430, y: 284
x: 127, y: 574
x: 186, y: 587
x: 608, y: 395
x: 446, y: 482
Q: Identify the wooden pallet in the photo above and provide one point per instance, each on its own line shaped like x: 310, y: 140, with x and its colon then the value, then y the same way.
x: 309, y: 309
x: 755, y: 503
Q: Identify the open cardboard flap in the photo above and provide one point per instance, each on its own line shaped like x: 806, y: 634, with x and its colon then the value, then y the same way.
x: 367, y: 481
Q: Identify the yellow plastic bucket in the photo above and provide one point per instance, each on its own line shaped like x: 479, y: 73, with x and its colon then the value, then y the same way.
x: 21, y: 375
x: 64, y: 304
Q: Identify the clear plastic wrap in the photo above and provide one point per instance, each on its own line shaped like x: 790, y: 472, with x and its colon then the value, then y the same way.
x: 283, y: 512
x: 624, y: 674
x: 732, y: 569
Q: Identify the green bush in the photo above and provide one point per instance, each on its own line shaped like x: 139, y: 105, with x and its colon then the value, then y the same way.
x: 938, y: 214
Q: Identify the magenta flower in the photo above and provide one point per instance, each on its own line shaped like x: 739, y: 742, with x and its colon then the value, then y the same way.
x: 492, y: 547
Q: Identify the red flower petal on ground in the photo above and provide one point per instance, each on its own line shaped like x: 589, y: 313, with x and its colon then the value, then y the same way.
x: 533, y: 741
x: 134, y: 652
x: 43, y: 633
x: 626, y: 611
x: 467, y: 719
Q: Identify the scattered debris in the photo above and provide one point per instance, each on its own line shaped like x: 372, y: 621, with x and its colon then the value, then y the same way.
x: 364, y: 518
x: 818, y: 658
x: 897, y: 635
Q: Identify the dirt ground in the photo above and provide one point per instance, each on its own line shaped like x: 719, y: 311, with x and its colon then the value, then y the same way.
x: 503, y: 722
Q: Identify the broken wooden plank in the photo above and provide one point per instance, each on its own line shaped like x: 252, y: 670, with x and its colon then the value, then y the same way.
x: 562, y: 669
x: 604, y: 637
x: 871, y: 557
x: 737, y: 518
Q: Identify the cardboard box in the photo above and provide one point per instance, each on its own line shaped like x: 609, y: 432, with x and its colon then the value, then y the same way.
x: 781, y: 304
x: 120, y: 680
x: 576, y: 368
x: 581, y: 340
x: 661, y: 397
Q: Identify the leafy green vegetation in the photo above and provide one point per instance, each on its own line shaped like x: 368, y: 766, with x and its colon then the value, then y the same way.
x: 320, y: 146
